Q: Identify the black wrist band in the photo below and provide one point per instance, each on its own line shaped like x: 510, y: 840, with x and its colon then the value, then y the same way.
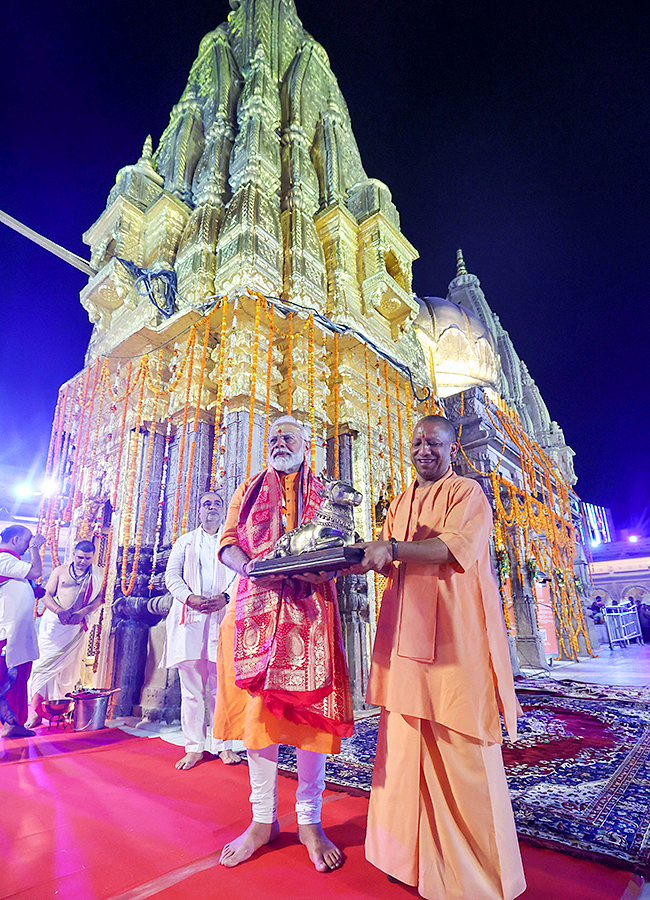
x: 393, y: 541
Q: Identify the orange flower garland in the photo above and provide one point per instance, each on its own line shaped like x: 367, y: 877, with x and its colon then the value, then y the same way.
x: 289, y: 362
x: 217, y: 406
x: 251, y: 408
x: 399, y: 432
x: 409, y: 423
x: 269, y: 373
x: 128, y: 589
x: 195, y: 427
x: 181, y: 455
x: 369, y: 429
x: 390, y: 432
x: 310, y: 389
x: 336, y: 404
x: 133, y: 462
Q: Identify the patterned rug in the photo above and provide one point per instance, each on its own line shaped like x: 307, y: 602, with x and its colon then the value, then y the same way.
x: 579, y: 775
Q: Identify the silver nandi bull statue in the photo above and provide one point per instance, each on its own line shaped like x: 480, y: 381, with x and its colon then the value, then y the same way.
x: 332, y: 526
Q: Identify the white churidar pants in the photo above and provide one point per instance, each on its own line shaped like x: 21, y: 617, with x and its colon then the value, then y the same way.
x: 263, y: 773
x: 198, y: 683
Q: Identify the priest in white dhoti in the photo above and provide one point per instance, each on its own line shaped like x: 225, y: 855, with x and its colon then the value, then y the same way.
x: 198, y: 582
x: 73, y: 593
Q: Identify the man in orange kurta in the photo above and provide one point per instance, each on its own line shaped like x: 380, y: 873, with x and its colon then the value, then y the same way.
x: 282, y: 675
x: 440, y: 816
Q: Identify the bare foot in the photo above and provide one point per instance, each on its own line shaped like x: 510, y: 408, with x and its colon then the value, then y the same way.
x: 229, y: 757
x: 33, y: 722
x: 189, y: 760
x: 16, y: 731
x: 241, y: 848
x: 323, y: 853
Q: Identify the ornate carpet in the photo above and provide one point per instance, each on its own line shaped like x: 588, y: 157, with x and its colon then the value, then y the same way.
x: 579, y: 774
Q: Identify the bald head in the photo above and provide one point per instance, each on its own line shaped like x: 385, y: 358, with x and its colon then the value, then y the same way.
x: 444, y: 423
x: 433, y: 448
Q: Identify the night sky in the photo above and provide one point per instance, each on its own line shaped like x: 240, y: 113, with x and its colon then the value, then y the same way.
x: 517, y: 131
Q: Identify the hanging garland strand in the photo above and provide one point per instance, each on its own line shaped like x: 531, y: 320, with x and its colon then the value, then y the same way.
x: 195, y: 426
x: 289, y: 363
x: 251, y: 408
x: 269, y: 373
x: 181, y: 454
x: 336, y: 405
x: 133, y: 466
x: 310, y: 390
x: 389, y: 432
x: 219, y: 399
x: 399, y: 432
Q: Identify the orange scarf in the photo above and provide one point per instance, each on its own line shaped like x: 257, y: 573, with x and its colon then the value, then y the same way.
x: 288, y: 644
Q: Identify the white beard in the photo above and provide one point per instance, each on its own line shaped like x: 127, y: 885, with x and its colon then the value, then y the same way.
x: 288, y: 462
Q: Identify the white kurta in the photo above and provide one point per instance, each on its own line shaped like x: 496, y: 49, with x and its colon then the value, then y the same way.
x: 17, y: 612
x: 194, y: 568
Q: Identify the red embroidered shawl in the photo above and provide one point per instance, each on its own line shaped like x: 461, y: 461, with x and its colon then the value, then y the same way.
x: 288, y: 644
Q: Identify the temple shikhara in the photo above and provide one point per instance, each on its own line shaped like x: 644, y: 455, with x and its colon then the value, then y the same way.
x: 246, y: 267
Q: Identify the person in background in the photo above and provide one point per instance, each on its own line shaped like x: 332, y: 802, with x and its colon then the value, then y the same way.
x: 72, y: 594
x: 197, y: 581
x: 18, y: 642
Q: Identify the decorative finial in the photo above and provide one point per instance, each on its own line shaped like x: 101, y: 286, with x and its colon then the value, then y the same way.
x: 147, y: 148
x: 460, y: 263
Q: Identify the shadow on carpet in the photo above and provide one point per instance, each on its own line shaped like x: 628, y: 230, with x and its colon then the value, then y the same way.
x: 579, y: 774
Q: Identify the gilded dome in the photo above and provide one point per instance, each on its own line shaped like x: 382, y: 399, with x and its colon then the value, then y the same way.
x: 463, y: 348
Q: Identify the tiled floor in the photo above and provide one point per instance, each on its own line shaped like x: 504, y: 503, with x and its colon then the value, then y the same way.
x: 622, y: 665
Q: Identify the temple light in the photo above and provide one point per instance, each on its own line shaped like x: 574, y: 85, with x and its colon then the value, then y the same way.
x: 633, y: 538
x: 23, y: 489
x: 49, y: 487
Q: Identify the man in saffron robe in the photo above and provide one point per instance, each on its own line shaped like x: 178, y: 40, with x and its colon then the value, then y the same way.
x: 440, y: 816
x: 72, y: 594
x: 281, y: 664
x: 18, y: 642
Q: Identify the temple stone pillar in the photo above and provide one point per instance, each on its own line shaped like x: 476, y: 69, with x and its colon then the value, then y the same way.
x: 160, y: 698
x: 530, y: 647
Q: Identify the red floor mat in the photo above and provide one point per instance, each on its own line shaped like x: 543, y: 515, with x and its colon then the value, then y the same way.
x: 101, y: 816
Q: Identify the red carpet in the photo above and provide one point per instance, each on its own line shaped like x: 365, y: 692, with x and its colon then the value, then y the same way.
x: 106, y: 816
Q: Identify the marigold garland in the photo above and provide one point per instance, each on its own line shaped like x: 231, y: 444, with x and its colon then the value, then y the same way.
x: 195, y: 425
x: 145, y: 491
x: 133, y: 467
x: 289, y: 362
x: 219, y: 398
x: 226, y: 400
x: 369, y: 429
x: 336, y: 404
x: 269, y: 373
x: 399, y: 432
x: 389, y: 432
x: 409, y: 424
x: 251, y: 407
x: 311, y: 388
x: 181, y: 453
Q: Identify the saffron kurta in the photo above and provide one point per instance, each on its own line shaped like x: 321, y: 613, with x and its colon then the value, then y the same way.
x: 239, y: 714
x: 441, y: 671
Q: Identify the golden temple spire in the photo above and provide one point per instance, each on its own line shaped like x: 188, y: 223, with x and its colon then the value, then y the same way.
x: 147, y: 148
x: 460, y: 263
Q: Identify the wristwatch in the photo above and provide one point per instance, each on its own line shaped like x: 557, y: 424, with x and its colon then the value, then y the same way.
x: 393, y: 541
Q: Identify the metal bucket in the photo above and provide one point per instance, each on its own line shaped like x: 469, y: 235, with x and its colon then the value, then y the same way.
x: 90, y: 708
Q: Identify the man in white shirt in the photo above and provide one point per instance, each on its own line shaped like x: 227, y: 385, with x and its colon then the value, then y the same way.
x: 198, y: 582
x: 18, y: 642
